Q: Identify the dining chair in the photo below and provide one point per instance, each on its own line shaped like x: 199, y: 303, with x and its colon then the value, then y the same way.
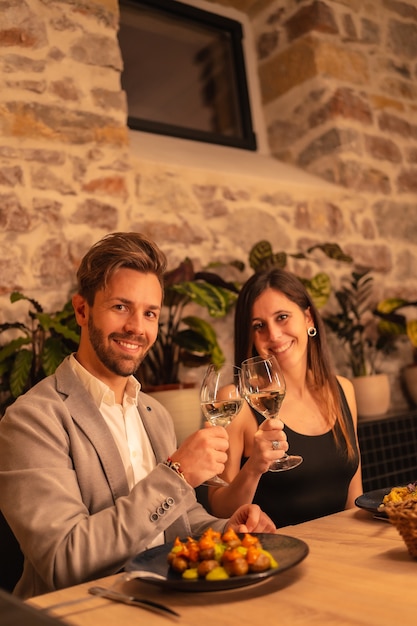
x: 11, y: 557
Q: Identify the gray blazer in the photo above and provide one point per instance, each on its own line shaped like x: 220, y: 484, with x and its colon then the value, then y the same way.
x: 64, y: 492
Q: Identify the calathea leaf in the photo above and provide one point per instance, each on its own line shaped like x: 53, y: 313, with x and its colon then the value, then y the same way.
x: 19, y: 376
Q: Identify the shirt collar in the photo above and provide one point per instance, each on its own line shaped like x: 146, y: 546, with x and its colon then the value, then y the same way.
x: 99, y: 391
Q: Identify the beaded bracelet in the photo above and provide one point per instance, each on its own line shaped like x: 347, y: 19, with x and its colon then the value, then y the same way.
x: 174, y: 466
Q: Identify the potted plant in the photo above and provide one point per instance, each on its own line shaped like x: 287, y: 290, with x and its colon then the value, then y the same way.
x: 356, y: 326
x: 319, y: 287
x: 34, y: 348
x: 399, y: 318
x: 187, y: 340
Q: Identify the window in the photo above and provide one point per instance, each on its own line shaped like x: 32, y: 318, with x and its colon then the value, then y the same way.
x: 184, y: 73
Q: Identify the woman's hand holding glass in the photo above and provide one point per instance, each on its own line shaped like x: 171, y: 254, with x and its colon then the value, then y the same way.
x: 263, y: 386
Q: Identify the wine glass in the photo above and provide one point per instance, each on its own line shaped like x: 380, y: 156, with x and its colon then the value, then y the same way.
x: 263, y: 386
x: 221, y: 400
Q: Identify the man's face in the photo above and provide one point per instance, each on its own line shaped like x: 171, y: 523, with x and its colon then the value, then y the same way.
x: 121, y: 325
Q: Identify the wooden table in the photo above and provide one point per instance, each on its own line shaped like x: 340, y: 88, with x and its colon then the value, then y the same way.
x: 358, y: 572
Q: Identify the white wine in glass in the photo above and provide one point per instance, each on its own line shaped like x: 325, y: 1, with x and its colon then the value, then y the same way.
x: 221, y: 400
x: 263, y: 386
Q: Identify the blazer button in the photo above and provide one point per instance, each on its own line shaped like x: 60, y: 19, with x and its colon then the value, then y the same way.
x: 154, y: 517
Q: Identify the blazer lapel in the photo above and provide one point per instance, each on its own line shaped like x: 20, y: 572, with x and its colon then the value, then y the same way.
x: 85, y: 413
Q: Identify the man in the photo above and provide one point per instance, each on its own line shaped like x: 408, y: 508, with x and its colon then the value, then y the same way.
x: 89, y: 473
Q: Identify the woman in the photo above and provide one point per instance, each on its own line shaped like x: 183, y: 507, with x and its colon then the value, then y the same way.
x: 275, y: 315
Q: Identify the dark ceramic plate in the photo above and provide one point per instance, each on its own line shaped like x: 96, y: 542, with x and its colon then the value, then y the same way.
x: 287, y: 551
x: 371, y: 501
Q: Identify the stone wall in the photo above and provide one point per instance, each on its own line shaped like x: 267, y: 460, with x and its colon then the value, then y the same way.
x: 338, y: 83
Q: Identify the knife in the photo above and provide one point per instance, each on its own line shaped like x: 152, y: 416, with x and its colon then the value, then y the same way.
x: 118, y: 596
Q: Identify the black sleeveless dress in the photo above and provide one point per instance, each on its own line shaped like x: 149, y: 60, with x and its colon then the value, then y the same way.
x: 318, y: 486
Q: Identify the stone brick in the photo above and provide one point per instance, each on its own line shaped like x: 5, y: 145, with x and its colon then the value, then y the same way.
x: 55, y: 123
x: 280, y: 198
x: 169, y: 232
x: 13, y: 216
x: 106, y: 99
x: 394, y: 124
x: 36, y: 86
x: 354, y: 175
x: 43, y: 177
x: 49, y: 211
x: 332, y: 141
x: 50, y: 264
x: 349, y: 27
x: 404, y: 9
x: 204, y: 193
x: 96, y: 214
x: 343, y: 103
x: 384, y: 149
x: 395, y: 217
x: 11, y: 176
x: 342, y: 63
x: 267, y: 43
x: 316, y: 16
x: 65, y: 89
x: 412, y: 155
x: 114, y: 186
x: 21, y: 27
x: 379, y: 102
x: 407, y: 181
x: 235, y: 195
x: 97, y: 50
x: 306, y: 58
x: 402, y: 38
x: 370, y: 32
x: 214, y: 208
x: 18, y: 63
x: 377, y: 257
x: 319, y: 217
x: 283, y: 134
x: 292, y: 67
x: 397, y: 88
x: 53, y: 157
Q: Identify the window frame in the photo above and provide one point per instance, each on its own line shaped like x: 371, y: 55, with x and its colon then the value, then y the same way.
x: 188, y: 14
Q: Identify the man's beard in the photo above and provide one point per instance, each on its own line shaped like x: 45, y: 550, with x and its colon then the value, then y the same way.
x: 121, y: 365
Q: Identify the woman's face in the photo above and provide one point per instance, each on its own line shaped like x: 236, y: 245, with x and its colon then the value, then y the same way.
x: 279, y: 327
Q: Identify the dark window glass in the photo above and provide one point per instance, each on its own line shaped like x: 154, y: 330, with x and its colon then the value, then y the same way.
x: 184, y: 73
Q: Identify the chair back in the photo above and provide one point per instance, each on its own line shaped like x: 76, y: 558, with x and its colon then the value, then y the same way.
x: 11, y: 557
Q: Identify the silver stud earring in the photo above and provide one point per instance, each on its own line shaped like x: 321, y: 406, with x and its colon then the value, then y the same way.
x: 312, y: 331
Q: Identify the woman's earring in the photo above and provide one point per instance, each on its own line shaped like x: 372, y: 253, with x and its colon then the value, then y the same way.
x: 312, y: 331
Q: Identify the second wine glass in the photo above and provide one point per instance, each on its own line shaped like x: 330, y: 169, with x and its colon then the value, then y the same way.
x: 221, y: 400
x: 264, y: 388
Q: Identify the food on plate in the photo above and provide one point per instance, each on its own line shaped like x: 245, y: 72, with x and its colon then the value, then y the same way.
x: 399, y: 494
x: 216, y: 556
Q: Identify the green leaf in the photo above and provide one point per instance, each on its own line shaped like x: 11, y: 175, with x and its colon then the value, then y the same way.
x: 14, y: 346
x: 48, y: 323
x: 412, y: 332
x: 333, y: 251
x: 202, y: 328
x: 16, y: 296
x: 19, y: 376
x: 53, y: 354
x: 319, y: 288
x: 216, y: 300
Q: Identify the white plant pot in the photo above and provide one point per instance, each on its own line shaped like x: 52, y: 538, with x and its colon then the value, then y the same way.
x: 184, y: 407
x: 410, y: 379
x: 373, y: 394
